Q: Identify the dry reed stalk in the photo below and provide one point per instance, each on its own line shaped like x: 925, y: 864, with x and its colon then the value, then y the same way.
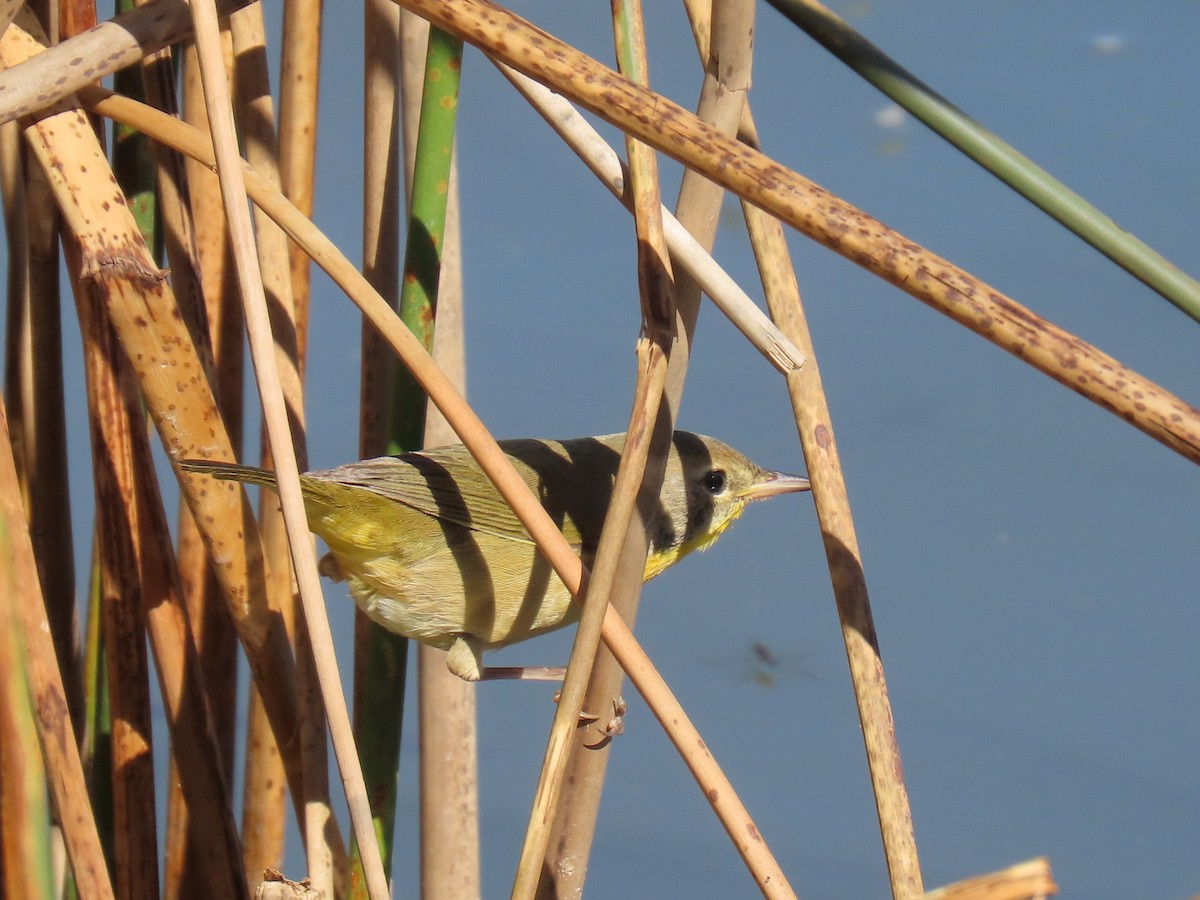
x: 64, y: 770
x: 8, y: 9
x: 832, y: 502
x: 82, y: 60
x: 34, y: 388
x: 172, y: 380
x: 382, y: 205
x: 262, y: 810
x: 194, y: 747
x: 726, y: 58
x: 132, y: 773
x: 687, y: 254
x: 220, y: 339
x: 128, y: 683
x: 825, y: 218
x: 178, y: 229
x: 447, y: 732
x: 299, y: 81
x: 446, y: 708
x: 813, y: 421
x: 263, y: 793
x: 833, y: 509
x: 256, y: 117
x: 298, y: 89
x: 271, y: 390
x: 643, y: 438
x: 492, y: 460
x: 25, y: 855
x: 25, y: 869
x: 75, y: 17
x: 722, y: 97
x: 138, y: 565
x: 1029, y: 880
x: 623, y: 543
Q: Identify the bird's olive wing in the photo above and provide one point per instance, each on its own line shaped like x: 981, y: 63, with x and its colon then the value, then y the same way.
x: 448, y: 484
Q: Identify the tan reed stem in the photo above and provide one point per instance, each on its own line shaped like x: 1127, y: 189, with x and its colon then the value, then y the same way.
x: 721, y: 99
x: 815, y: 426
x: 217, y: 334
x: 64, y: 770
x: 262, y: 810
x: 619, y: 565
x: 135, y: 869
x: 229, y: 169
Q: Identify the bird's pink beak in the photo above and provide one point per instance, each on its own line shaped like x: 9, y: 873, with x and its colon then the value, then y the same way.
x: 774, y: 483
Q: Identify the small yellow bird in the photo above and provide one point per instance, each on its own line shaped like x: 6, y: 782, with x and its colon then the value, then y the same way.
x: 430, y: 550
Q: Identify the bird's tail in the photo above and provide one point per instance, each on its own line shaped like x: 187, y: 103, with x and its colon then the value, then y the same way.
x: 227, y: 471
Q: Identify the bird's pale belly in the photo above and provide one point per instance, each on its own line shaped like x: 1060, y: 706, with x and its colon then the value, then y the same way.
x: 456, y: 592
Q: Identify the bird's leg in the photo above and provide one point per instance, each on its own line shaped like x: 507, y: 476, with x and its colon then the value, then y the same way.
x: 524, y: 673
x: 465, y: 659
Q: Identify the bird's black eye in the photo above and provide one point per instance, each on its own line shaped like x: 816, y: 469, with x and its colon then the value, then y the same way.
x: 715, y: 481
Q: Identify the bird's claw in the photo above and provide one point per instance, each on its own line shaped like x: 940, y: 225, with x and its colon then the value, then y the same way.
x: 615, y: 725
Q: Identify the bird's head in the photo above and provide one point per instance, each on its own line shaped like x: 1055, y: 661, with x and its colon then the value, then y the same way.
x: 706, y: 487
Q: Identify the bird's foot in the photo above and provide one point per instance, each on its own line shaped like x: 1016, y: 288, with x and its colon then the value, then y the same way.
x: 614, y: 726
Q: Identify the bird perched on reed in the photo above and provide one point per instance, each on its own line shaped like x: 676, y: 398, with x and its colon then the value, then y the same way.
x: 430, y: 549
